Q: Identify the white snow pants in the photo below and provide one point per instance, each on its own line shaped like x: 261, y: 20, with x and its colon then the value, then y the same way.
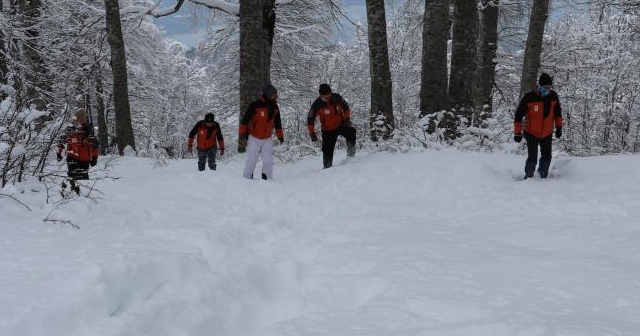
x: 259, y: 148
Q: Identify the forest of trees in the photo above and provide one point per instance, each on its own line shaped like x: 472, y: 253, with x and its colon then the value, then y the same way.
x: 448, y: 73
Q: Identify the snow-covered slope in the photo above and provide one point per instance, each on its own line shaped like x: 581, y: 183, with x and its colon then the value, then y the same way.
x: 431, y: 243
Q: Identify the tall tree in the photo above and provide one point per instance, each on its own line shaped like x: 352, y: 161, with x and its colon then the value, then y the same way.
x: 434, y: 79
x: 103, y: 139
x: 533, y: 48
x: 463, y: 58
x: 487, y: 47
x: 124, y: 129
x: 257, y: 27
x: 3, y: 60
x: 381, y: 118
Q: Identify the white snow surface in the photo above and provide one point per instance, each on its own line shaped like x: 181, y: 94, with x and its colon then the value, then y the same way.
x: 426, y: 243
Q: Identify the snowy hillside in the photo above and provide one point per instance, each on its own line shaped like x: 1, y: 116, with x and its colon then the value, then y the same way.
x: 432, y: 243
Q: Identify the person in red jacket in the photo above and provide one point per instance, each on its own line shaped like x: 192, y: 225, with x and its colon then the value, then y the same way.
x: 82, y: 149
x: 256, y: 128
x: 210, y: 139
x: 541, y: 112
x: 335, y: 120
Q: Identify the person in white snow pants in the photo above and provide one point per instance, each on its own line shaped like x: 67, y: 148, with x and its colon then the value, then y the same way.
x: 256, y: 128
x: 256, y: 149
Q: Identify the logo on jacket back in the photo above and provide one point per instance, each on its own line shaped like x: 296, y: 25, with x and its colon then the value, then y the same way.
x: 327, y: 111
x: 262, y: 113
x: 535, y: 108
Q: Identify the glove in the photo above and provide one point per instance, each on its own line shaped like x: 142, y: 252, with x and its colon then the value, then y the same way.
x: 94, y: 161
x: 242, y: 144
x: 281, y: 140
x: 221, y: 151
x: 517, y: 137
x: 313, y: 136
x: 558, y: 132
x: 59, y: 157
x: 190, y: 149
x: 347, y: 122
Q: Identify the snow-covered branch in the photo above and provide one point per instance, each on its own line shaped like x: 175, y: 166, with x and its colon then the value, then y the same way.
x: 154, y: 10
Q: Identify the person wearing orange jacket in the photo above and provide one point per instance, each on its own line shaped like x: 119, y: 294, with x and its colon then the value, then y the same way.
x: 82, y: 149
x: 541, y: 112
x: 209, y: 140
x: 335, y: 120
x: 256, y: 128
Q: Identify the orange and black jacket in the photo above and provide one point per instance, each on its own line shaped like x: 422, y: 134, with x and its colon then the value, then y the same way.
x: 80, y: 142
x: 208, y: 137
x: 261, y: 118
x: 332, y: 113
x: 541, y: 114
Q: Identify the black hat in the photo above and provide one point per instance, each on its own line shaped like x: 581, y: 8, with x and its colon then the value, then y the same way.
x: 324, y: 89
x: 268, y: 90
x: 209, y: 117
x: 545, y: 79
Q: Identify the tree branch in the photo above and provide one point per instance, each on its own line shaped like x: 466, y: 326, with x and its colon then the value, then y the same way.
x: 153, y: 10
x: 16, y: 200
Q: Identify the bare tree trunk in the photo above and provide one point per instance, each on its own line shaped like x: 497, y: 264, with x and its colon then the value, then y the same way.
x: 3, y: 51
x: 463, y: 58
x: 381, y: 87
x: 434, y: 76
x: 103, y: 140
x: 533, y: 49
x: 488, y: 43
x: 124, y: 129
x: 257, y: 26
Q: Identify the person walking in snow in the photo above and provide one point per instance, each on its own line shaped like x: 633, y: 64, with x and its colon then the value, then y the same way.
x: 256, y: 128
x: 82, y: 149
x: 335, y: 120
x: 541, y: 112
x: 210, y: 140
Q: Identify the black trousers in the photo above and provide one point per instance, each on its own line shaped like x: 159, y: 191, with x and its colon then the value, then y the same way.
x: 207, y: 155
x: 77, y: 170
x: 545, y: 154
x: 329, y: 139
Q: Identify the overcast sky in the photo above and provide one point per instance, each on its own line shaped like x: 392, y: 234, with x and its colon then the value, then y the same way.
x: 178, y: 26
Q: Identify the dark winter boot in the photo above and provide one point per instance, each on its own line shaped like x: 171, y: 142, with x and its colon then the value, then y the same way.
x: 213, y: 167
x: 529, y: 169
x: 351, y: 149
x: 543, y: 169
x: 264, y: 176
x: 75, y: 187
x: 327, y: 164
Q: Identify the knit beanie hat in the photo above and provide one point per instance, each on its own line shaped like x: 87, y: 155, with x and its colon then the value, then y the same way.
x: 324, y: 89
x: 268, y: 90
x: 545, y: 79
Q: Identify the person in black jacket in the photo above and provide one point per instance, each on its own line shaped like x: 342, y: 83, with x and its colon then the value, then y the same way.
x: 210, y: 140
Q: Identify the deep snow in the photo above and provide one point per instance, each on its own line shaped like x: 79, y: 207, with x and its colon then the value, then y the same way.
x: 427, y: 243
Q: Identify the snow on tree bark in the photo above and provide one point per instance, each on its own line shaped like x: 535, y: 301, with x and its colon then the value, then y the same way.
x: 533, y: 48
x: 434, y: 74
x: 257, y: 26
x: 463, y: 58
x: 124, y: 129
x: 487, y: 47
x: 381, y: 86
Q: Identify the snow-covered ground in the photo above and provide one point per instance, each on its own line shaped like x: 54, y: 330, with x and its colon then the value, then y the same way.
x: 428, y: 243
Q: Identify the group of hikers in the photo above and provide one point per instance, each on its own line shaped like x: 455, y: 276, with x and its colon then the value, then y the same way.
x: 260, y: 120
x: 537, y: 116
